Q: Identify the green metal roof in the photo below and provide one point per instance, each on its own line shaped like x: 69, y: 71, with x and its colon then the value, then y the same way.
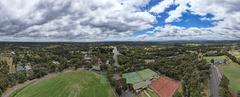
x: 147, y: 74
x: 139, y: 76
x: 132, y: 77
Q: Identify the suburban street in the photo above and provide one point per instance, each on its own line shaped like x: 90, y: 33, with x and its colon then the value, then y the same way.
x: 115, y: 54
x: 214, y: 82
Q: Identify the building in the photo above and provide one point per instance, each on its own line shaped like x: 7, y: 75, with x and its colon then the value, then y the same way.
x: 19, y: 68
x: 96, y: 67
x: 87, y: 56
x: 56, y: 62
x: 148, y: 61
x: 140, y: 79
x: 218, y: 62
x: 165, y: 86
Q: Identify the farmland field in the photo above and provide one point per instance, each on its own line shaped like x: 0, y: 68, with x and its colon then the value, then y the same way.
x: 70, y: 84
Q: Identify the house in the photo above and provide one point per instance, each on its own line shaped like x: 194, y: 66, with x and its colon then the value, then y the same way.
x: 140, y: 79
x: 165, y: 86
x: 28, y: 67
x: 56, y: 62
x: 218, y: 62
x: 20, y: 68
x: 148, y: 61
x: 86, y: 55
x: 107, y: 62
x: 96, y: 67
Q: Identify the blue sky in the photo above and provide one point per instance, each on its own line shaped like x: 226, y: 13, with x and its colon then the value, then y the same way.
x: 188, y: 19
x: 119, y: 20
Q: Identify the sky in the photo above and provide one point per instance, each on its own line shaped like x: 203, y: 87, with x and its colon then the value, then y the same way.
x: 119, y: 20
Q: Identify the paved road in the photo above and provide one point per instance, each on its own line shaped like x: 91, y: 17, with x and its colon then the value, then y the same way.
x: 115, y: 54
x: 214, y: 82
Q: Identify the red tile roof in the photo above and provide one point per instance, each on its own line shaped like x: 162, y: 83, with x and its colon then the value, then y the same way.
x: 164, y: 86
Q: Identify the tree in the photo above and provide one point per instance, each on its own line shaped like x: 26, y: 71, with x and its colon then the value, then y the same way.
x: 238, y: 94
x: 39, y: 71
x: 12, y: 79
x: 179, y: 67
x: 52, y: 68
x: 224, y: 89
x: 119, y: 90
x: 3, y: 82
x: 103, y: 67
x: 1, y: 92
x: 22, y: 76
x: 4, y: 70
x: 177, y: 94
x: 212, y: 61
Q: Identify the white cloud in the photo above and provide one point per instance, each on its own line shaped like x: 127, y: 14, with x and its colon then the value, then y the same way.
x: 228, y: 11
x: 170, y: 32
x: 173, y: 31
x: 176, y: 14
x: 73, y: 19
x: 161, y: 6
x: 103, y: 19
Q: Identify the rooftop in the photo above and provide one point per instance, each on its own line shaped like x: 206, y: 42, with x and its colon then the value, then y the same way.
x: 134, y: 77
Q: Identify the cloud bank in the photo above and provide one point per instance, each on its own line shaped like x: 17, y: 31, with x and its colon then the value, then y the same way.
x: 72, y: 19
x: 99, y: 20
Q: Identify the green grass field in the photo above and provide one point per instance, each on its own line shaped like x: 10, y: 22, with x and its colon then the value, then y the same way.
x: 71, y: 84
x: 209, y: 58
x: 232, y: 71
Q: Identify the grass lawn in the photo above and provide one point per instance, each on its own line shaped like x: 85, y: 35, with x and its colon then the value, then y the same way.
x: 209, y: 58
x: 232, y: 71
x: 70, y: 84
